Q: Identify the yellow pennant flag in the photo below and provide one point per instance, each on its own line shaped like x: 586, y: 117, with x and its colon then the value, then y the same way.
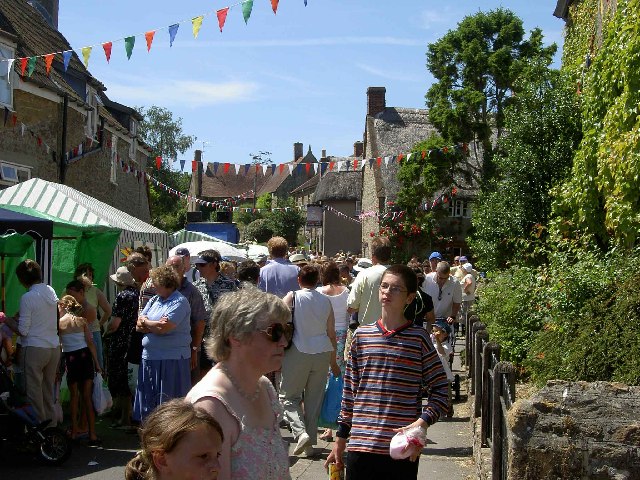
x: 197, y: 23
x: 86, y: 53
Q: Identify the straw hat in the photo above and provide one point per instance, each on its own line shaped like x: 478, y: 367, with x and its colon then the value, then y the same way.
x: 123, y: 277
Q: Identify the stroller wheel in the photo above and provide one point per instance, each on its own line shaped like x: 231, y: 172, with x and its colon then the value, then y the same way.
x: 55, y: 447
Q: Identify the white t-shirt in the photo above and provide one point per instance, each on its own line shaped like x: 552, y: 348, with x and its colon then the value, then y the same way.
x: 467, y: 297
x: 339, y: 305
x: 443, y: 299
x: 312, y: 309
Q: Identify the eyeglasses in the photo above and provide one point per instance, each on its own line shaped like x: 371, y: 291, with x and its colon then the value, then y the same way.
x: 392, y: 289
x: 276, y: 331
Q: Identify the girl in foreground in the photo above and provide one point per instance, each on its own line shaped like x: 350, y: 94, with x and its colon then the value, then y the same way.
x: 179, y: 441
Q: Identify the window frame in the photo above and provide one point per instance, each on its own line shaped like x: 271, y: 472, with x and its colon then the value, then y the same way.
x: 11, y: 54
x: 16, y: 168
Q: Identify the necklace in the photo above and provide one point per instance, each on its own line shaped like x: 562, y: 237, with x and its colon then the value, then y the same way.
x: 250, y: 397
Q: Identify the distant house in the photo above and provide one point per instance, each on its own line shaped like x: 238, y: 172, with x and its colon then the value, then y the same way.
x: 61, y: 126
x: 215, y: 184
x: 390, y: 131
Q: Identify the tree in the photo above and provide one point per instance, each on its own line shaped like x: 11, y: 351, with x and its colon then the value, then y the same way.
x: 164, y: 135
x: 512, y: 212
x: 286, y: 220
x: 475, y: 67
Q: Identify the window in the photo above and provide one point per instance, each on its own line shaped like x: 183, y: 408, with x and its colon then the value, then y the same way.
x: 133, y: 130
x: 460, y: 208
x: 358, y: 208
x: 91, y: 126
x: 6, y: 89
x: 11, y: 173
x: 114, y: 159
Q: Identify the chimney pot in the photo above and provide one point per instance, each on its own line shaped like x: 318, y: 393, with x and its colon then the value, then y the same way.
x: 358, y: 149
x: 376, y: 101
x: 298, y: 151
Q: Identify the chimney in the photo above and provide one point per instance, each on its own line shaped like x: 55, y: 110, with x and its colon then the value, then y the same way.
x: 324, y: 156
x: 358, y: 149
x: 48, y: 9
x: 376, y: 102
x: 195, y: 188
x: 298, y: 152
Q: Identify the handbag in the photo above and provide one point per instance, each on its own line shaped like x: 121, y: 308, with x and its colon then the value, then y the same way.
x: 332, y: 401
x: 293, y: 323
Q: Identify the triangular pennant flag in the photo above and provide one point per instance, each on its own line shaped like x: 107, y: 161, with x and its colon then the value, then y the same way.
x: 247, y: 6
x: 23, y: 65
x: 355, y: 164
x: 194, y: 166
x: 409, y: 156
x: 273, y: 169
x: 107, y: 50
x: 314, y: 166
x: 158, y: 162
x: 247, y: 166
x: 86, y: 53
x: 424, y: 154
x: 290, y: 165
x: 225, y: 168
x: 265, y: 168
x: 173, y: 30
x: 445, y: 150
x: 197, y: 23
x: 22, y: 127
x: 378, y: 161
x: 149, y: 37
x: 14, y: 119
x: 340, y: 165
x: 238, y: 169
x: 274, y: 6
x: 305, y: 3
x: 48, y: 60
x: 215, y: 167
x: 323, y: 168
x: 10, y: 66
x: 182, y: 162
x: 66, y: 57
x: 281, y: 168
x: 400, y: 157
x: 222, y: 17
x: 129, y: 42
x: 31, y: 65
x: 387, y: 160
x: 299, y: 168
x: 331, y: 165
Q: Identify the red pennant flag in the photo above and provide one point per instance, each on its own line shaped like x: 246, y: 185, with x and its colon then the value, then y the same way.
x: 149, y: 37
x: 307, y: 167
x: 48, y: 59
x: 355, y: 165
x: 107, y: 50
x: 281, y: 168
x: 454, y: 191
x: 23, y: 65
x: 331, y: 165
x: 445, y: 150
x: 158, y: 162
x: 14, y: 119
x: 400, y: 157
x: 424, y: 154
x: 222, y: 17
x: 225, y: 168
x: 194, y: 166
x: 274, y: 5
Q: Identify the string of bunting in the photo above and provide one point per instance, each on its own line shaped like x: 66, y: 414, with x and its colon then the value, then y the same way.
x: 28, y: 64
x: 329, y: 208
x: 12, y: 117
x: 441, y: 199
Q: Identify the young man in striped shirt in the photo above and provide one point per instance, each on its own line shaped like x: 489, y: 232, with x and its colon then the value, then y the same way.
x: 389, y: 364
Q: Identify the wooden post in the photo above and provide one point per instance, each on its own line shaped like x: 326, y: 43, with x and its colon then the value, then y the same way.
x: 482, y: 336
x: 468, y: 339
x: 488, y: 379
x: 498, y: 417
x: 477, y: 326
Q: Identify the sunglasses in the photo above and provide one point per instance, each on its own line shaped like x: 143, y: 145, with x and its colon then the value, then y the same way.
x: 276, y: 331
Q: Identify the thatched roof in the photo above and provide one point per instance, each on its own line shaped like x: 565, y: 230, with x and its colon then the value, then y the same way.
x: 397, y: 130
x: 339, y: 186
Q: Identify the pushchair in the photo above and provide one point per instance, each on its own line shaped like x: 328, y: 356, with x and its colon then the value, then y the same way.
x: 22, y: 432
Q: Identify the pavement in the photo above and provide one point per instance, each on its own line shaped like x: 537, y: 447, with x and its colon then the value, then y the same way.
x: 447, y: 455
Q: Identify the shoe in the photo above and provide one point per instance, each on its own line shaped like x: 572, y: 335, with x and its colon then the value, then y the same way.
x: 303, y: 442
x: 95, y: 443
x: 311, y: 452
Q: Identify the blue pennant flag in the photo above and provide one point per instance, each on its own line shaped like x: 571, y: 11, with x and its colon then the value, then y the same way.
x: 215, y: 167
x: 299, y: 168
x: 66, y: 57
x: 371, y: 163
x: 182, y: 165
x: 323, y: 167
x: 247, y: 166
x: 173, y: 30
x: 273, y: 169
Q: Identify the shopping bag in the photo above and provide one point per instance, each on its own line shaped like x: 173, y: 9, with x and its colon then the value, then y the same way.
x: 58, y: 415
x: 98, y: 397
x: 65, y: 395
x: 332, y: 401
x: 107, y: 396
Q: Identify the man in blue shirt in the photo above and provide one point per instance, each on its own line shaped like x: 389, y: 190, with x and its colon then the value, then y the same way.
x: 279, y: 276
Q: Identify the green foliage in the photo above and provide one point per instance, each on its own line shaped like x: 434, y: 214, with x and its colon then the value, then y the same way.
x: 475, y: 67
x: 259, y: 230
x: 579, y: 37
x: 512, y: 211
x: 598, y: 206
x: 164, y: 135
x: 287, y: 220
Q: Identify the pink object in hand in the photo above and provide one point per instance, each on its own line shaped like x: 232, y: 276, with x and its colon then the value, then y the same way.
x: 398, y: 448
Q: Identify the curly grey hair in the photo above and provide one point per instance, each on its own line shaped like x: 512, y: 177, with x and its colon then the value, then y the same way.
x: 238, y: 314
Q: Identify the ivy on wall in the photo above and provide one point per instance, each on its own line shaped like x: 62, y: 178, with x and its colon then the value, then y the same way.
x: 599, y: 206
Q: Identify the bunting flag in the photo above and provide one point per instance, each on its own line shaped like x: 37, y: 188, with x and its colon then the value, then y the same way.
x: 274, y: 6
x: 31, y: 65
x: 149, y: 38
x: 48, y: 60
x: 23, y: 66
x: 247, y: 6
x: 173, y: 31
x: 129, y: 42
x: 222, y: 17
x: 107, y: 50
x: 66, y: 58
x: 338, y: 213
x: 86, y: 53
x: 194, y: 166
x: 158, y: 162
x: 182, y: 162
x: 197, y: 23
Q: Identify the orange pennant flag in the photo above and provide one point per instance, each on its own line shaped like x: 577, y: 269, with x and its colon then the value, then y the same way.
x: 23, y: 65
x: 400, y: 157
x: 331, y: 165
x: 307, y: 167
x: 222, y: 17
x: 274, y: 5
x: 225, y: 168
x: 379, y: 161
x: 107, y: 50
x: 445, y: 150
x: 423, y: 154
x: 48, y: 59
x: 281, y: 168
x: 149, y: 37
x: 355, y: 164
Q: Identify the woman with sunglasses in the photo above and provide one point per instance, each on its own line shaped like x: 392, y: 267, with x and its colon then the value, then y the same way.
x: 249, y: 330
x: 389, y: 362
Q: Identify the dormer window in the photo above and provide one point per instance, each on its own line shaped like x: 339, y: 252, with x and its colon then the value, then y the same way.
x: 6, y: 90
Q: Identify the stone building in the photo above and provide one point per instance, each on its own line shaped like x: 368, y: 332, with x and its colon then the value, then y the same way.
x: 60, y: 125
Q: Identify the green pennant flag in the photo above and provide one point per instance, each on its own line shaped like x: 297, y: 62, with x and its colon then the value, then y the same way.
x: 129, y: 42
x: 247, y: 6
x: 31, y: 65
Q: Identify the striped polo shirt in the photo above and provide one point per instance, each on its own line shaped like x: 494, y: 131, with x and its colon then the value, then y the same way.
x: 383, y: 385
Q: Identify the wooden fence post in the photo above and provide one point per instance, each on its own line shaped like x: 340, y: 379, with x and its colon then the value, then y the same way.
x: 488, y: 380
x: 497, y: 439
x: 482, y: 336
x: 468, y: 336
x: 471, y: 356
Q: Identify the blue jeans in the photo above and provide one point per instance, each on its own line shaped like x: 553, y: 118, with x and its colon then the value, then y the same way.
x: 97, y: 341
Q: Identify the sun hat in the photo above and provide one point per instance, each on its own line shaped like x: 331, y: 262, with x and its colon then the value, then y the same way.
x: 362, y: 264
x: 435, y: 255
x: 468, y: 267
x: 297, y: 258
x: 463, y: 259
x: 123, y: 277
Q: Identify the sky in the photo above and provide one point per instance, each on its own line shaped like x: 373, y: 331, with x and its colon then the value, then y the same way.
x: 298, y: 76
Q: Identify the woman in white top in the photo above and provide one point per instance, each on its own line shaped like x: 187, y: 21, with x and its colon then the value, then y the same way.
x: 337, y: 294
x: 468, y: 290
x: 81, y: 362
x: 305, y: 365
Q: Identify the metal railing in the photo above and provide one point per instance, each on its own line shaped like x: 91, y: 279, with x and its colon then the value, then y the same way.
x: 493, y: 384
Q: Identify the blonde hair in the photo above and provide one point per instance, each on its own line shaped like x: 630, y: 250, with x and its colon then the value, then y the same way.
x: 162, y: 430
x: 165, y: 276
x: 278, y: 247
x: 71, y: 305
x: 236, y: 314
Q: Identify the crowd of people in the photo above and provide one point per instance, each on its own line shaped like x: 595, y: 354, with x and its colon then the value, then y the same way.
x: 210, y: 371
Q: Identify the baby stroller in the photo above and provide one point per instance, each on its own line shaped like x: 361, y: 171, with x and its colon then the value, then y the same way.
x: 22, y: 432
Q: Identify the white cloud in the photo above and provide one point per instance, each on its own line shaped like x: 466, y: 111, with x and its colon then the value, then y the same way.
x: 389, y: 74
x: 188, y: 93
